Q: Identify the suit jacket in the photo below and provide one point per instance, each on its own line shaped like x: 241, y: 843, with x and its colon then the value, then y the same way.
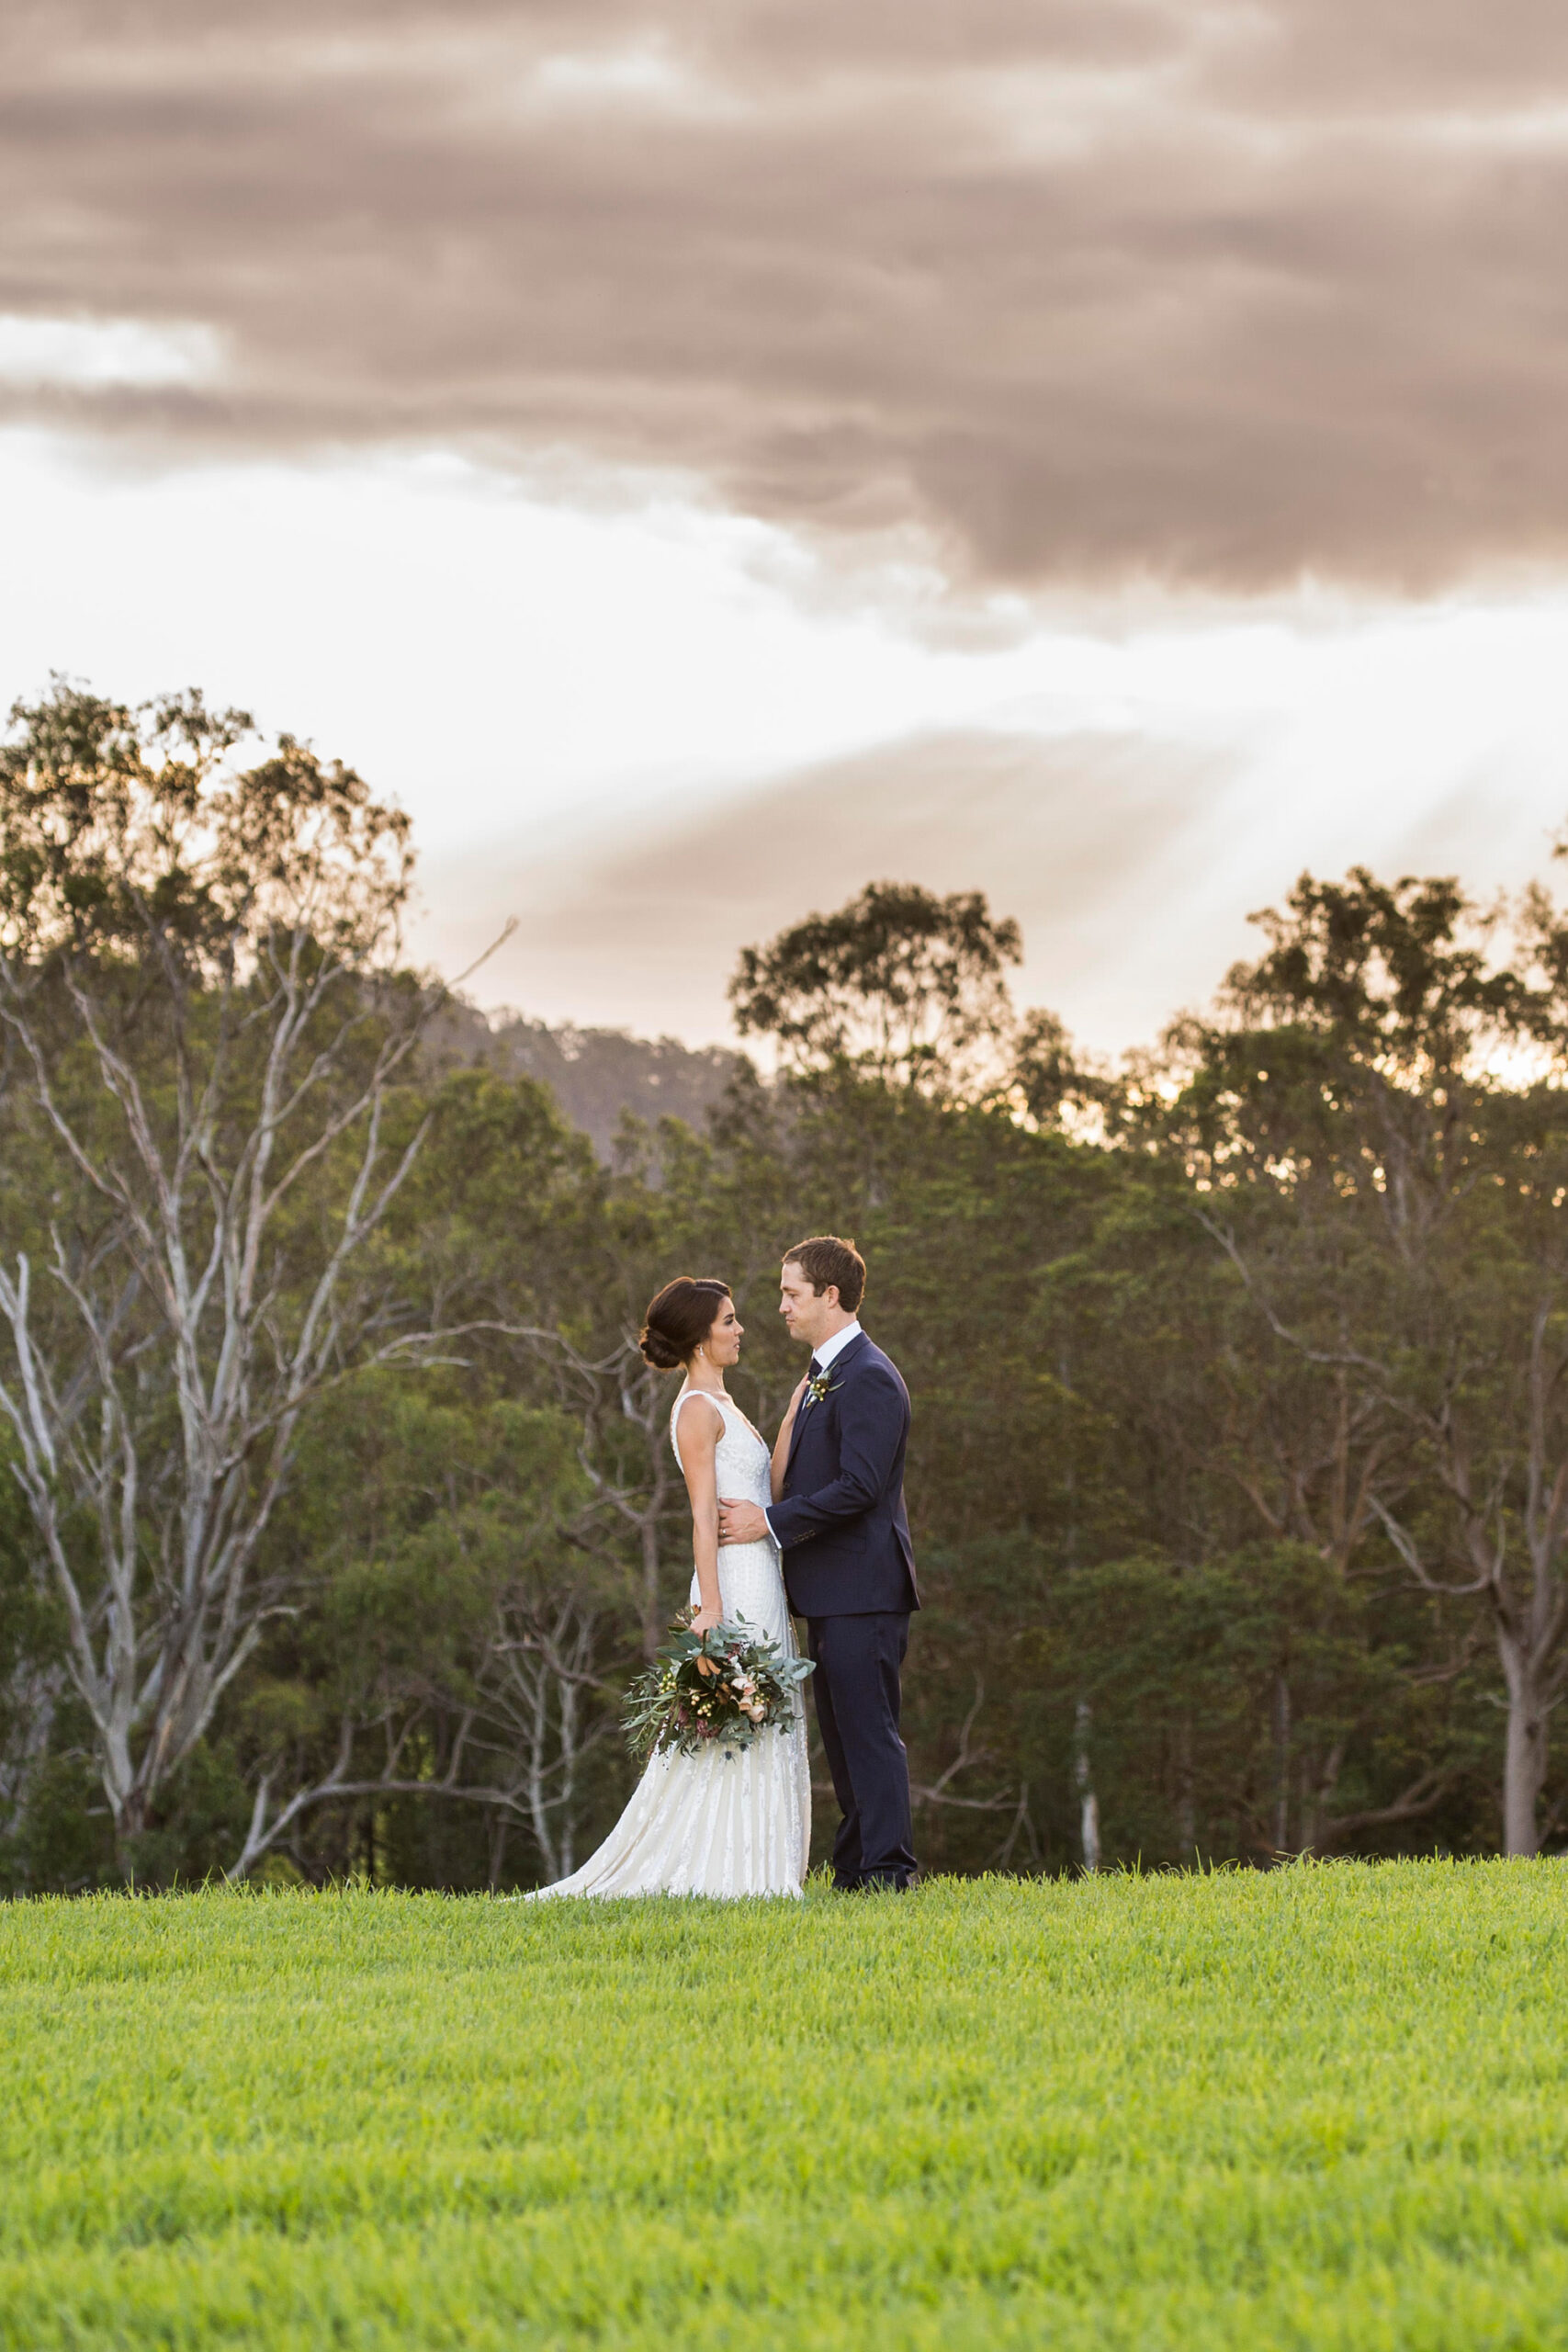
x: 841, y: 1519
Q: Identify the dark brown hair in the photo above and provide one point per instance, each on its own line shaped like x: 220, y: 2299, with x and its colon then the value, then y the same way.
x: 828, y: 1263
x: 680, y: 1318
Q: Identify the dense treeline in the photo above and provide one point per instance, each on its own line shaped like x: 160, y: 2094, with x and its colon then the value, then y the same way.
x: 338, y: 1508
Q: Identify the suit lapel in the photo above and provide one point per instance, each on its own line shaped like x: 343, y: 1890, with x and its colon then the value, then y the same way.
x: 841, y: 1363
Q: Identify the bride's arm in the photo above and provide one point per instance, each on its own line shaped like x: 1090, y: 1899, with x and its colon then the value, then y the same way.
x: 700, y: 1433
x: 781, y: 1443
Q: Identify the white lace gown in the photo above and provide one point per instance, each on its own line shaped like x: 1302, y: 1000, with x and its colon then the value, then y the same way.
x: 719, y: 1824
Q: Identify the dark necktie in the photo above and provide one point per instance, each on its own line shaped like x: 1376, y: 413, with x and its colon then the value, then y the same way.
x: 816, y: 1371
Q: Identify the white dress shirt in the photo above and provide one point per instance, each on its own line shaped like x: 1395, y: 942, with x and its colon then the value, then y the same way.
x: 823, y: 1356
x: 835, y: 1346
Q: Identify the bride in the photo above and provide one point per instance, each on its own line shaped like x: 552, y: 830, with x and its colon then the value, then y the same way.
x: 717, y: 1823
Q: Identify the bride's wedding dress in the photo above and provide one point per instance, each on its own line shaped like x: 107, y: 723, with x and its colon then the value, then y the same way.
x: 716, y: 1823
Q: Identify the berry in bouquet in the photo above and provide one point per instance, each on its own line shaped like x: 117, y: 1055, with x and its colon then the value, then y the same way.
x: 719, y: 1689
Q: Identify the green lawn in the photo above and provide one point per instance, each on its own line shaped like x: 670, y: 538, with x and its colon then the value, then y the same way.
x: 1325, y: 2106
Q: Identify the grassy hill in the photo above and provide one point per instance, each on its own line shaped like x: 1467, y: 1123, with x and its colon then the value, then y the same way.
x: 1326, y: 2107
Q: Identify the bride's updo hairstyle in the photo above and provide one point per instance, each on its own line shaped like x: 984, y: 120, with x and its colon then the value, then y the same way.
x: 680, y: 1319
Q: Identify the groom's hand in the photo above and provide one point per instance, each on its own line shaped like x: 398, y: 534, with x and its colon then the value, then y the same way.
x: 741, y: 1522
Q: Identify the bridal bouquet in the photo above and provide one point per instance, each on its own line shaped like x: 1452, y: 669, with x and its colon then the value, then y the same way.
x: 724, y: 1685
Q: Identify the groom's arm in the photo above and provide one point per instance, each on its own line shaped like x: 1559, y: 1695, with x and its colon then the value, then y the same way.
x: 873, y: 1419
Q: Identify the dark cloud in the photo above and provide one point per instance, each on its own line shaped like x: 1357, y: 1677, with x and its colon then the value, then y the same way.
x: 1091, y: 289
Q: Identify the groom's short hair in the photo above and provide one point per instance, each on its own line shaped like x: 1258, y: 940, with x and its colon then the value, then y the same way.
x: 826, y: 1262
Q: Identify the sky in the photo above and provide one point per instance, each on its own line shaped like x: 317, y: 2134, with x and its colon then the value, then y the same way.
x: 701, y: 458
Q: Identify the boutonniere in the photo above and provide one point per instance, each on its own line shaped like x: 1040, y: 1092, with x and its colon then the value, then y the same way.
x: 823, y: 1386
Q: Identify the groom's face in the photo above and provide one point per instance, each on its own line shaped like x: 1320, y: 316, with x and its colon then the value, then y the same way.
x: 807, y: 1312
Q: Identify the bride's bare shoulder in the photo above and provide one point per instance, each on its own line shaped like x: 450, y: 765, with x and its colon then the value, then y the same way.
x: 710, y: 1424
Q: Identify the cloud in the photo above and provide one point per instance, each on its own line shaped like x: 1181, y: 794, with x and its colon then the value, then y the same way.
x: 1131, y: 849
x: 1089, y: 838
x: 91, y: 353
x: 1085, y: 291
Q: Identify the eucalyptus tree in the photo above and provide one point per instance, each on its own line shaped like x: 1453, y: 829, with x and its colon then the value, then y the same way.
x: 464, y: 1635
x: 1376, y: 1125
x: 898, y: 984
x: 204, y: 1022
x: 494, y: 1544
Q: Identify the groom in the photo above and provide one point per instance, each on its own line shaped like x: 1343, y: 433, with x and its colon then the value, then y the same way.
x: 849, y: 1566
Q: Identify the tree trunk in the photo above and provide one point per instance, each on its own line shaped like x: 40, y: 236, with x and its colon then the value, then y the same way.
x: 130, y: 1818
x: 34, y: 1698
x: 1088, y: 1803
x: 1523, y: 1760
x: 1281, y: 1765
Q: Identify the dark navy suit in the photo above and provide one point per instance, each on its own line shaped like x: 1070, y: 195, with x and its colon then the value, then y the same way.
x: 849, y: 1571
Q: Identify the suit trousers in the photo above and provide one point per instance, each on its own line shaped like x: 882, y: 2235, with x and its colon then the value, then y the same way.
x: 858, y: 1701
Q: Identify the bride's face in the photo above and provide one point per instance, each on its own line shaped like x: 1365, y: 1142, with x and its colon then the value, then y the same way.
x: 723, y: 1341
